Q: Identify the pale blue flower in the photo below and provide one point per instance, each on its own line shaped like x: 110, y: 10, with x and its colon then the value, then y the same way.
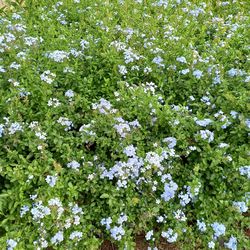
x: 247, y: 122
x: 245, y: 170
x: 39, y: 211
x: 219, y: 229
x: 201, y: 226
x: 184, y: 71
x: 75, y: 235
x: 198, y: 74
x: 69, y: 93
x: 122, y: 218
x: 65, y: 122
x: 169, y: 235
x: 234, y: 114
x: 181, y: 59
x: 171, y: 141
x: 207, y: 135
x: 130, y: 151
x: 184, y: 199
x: 232, y: 72
x: 47, y: 76
x: 58, y: 55
x: 211, y: 245
x: 74, y: 165
x: 57, y: 238
x: 204, y: 122
x: 106, y: 222
x: 1, y: 130
x: 14, y: 127
x: 241, y: 206
x: 11, y: 244
x: 232, y: 243
x: 158, y: 60
x: 149, y: 235
x: 24, y: 210
x: 122, y: 69
x: 117, y: 232
x: 169, y: 191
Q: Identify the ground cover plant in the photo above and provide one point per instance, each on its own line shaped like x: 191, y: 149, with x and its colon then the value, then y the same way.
x: 119, y: 118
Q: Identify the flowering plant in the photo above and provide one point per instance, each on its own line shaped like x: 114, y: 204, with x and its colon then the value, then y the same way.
x: 114, y: 122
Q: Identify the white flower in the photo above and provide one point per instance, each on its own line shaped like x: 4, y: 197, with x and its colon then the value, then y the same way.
x: 223, y: 145
x: 75, y: 209
x: 67, y: 223
x: 147, y: 70
x: 68, y: 70
x: 16, y: 16
x: 44, y: 243
x: 160, y: 219
x: 122, y: 129
x: 235, y: 72
x: 184, y: 199
x: 106, y: 222
x: 179, y: 215
x: 55, y: 202
x: 103, y: 106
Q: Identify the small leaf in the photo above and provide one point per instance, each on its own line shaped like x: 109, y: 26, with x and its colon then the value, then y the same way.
x: 104, y: 196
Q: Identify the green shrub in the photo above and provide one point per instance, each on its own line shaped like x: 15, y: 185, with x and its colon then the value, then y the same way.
x: 118, y: 118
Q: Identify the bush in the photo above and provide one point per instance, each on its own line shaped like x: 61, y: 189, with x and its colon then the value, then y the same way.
x: 123, y: 118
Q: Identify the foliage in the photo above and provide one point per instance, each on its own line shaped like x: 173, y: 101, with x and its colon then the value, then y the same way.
x: 122, y: 117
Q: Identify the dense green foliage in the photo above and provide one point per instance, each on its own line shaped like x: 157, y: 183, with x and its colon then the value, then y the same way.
x: 124, y: 117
